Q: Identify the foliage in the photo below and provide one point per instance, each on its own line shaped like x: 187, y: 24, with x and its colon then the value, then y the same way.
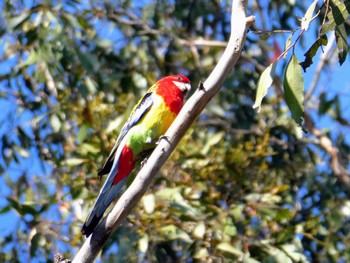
x: 241, y: 186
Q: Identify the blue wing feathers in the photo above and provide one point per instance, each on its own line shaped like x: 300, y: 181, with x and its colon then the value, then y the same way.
x: 139, y: 111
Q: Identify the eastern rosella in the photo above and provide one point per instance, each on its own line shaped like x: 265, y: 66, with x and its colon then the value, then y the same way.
x: 149, y: 120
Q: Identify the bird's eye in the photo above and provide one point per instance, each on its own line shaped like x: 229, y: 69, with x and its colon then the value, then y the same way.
x: 179, y: 78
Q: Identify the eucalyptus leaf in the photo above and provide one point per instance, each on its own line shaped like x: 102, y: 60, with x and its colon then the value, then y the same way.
x: 265, y: 81
x: 308, y: 16
x: 339, y: 13
x: 342, y: 43
x: 294, y: 90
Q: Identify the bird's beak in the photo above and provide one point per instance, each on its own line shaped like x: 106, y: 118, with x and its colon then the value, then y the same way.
x: 184, y: 87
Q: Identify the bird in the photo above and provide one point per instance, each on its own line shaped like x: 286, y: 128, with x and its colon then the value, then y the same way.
x: 147, y: 123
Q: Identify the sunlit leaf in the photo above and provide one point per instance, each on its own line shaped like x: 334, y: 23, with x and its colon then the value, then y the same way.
x: 143, y: 243
x: 17, y: 21
x: 82, y: 133
x: 148, y: 202
x: 339, y: 12
x: 289, y: 40
x: 172, y: 232
x: 265, y: 81
x: 74, y: 161
x: 294, y: 90
x: 215, y: 139
x: 230, y: 229
x: 308, y: 16
x: 55, y: 122
x: 32, y: 59
x: 226, y: 247
x: 91, y: 85
x: 293, y: 252
x: 199, y: 230
x: 22, y: 152
x: 86, y: 148
x: 115, y: 124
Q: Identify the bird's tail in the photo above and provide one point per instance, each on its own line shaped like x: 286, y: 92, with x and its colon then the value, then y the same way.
x: 104, y: 199
x: 122, y: 167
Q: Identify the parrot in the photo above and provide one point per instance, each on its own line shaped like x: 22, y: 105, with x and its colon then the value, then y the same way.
x: 147, y: 123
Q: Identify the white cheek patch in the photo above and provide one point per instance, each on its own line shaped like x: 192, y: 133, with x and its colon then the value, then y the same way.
x: 184, y: 87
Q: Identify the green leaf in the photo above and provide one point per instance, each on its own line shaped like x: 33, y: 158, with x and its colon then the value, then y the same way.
x: 322, y: 41
x: 308, y: 16
x: 74, y: 161
x: 286, y: 234
x: 104, y: 43
x: 70, y: 19
x: 55, y: 123
x: 199, y: 230
x: 284, y: 214
x: 325, y: 104
x: 172, y: 232
x: 265, y: 36
x: 248, y: 259
x: 21, y: 151
x: 34, y: 244
x: 230, y: 229
x: 32, y: 59
x: 294, y: 90
x: 86, y: 148
x: 22, y: 209
x: 17, y: 21
x: 265, y: 81
x: 115, y: 124
x: 91, y: 85
x: 213, y: 140
x: 237, y: 212
x: 149, y: 203
x: 89, y: 62
x: 82, y: 133
x: 289, y: 39
x: 226, y: 247
x: 292, y: 251
x: 143, y: 243
x: 341, y: 39
x: 339, y: 13
x: 5, y: 209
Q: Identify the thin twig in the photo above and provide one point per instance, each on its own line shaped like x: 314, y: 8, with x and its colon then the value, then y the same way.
x: 322, y: 62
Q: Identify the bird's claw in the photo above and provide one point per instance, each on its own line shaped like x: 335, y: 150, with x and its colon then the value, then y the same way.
x: 163, y: 137
x: 143, y: 162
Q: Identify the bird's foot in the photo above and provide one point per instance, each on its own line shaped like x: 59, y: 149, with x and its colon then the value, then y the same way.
x: 143, y: 162
x: 163, y: 137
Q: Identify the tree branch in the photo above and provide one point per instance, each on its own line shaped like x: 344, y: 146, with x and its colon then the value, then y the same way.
x: 190, y: 111
x: 340, y: 172
x: 324, y: 58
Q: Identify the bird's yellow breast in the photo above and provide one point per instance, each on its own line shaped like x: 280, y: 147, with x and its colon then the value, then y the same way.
x: 159, y: 118
x: 154, y: 124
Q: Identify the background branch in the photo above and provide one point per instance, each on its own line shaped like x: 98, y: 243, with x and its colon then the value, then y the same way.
x: 190, y: 111
x: 324, y: 58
